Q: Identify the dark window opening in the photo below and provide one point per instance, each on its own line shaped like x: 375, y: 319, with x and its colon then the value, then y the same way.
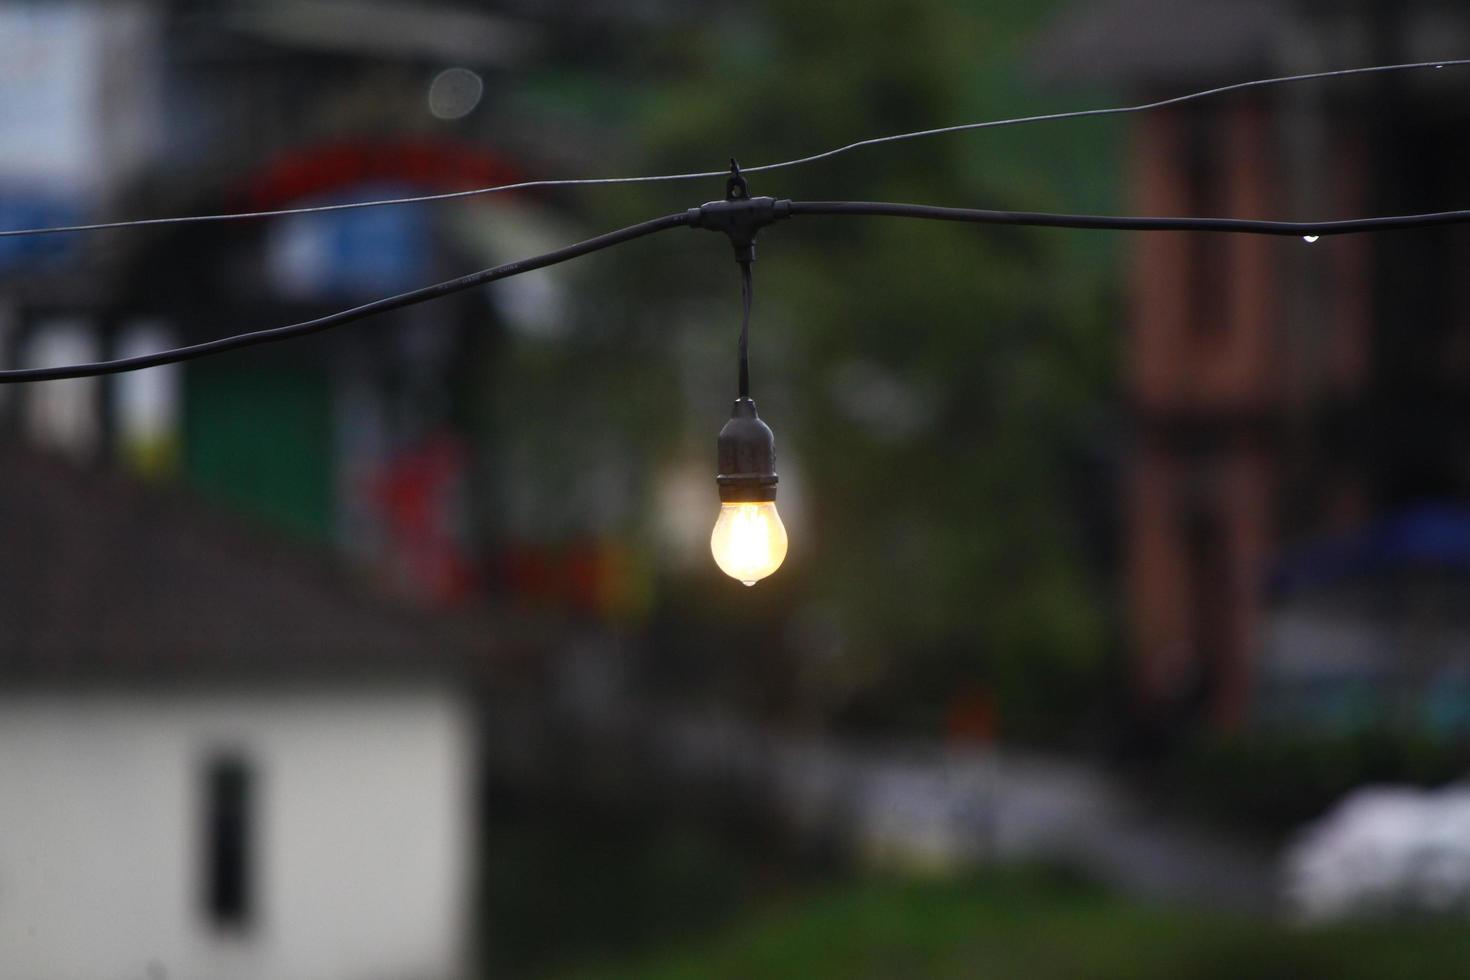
x: 1209, y: 584
x: 1209, y: 195
x: 228, y: 843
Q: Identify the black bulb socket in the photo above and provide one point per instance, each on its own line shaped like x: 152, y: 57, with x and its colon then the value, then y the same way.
x: 747, y: 454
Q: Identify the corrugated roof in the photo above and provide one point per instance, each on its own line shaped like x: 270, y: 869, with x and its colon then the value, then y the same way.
x: 103, y: 578
x: 1138, y: 42
x: 1197, y: 43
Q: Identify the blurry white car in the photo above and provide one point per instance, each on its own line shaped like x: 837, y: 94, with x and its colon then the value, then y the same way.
x: 1384, y: 850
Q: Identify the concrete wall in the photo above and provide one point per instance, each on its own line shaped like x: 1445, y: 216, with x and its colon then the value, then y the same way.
x: 364, y: 842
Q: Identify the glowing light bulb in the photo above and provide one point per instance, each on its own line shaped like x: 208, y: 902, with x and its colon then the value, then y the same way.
x: 749, y: 540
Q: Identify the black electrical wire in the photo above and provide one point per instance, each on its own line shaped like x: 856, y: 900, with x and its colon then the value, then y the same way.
x: 798, y: 161
x: 347, y: 316
x: 692, y: 217
x: 745, y: 297
x: 1302, y: 229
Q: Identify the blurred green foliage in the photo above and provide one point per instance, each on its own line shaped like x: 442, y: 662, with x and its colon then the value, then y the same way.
x: 1269, y: 783
x: 1025, y: 924
x: 939, y: 392
x: 562, y: 890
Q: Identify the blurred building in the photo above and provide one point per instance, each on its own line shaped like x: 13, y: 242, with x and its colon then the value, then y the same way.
x: 1286, y: 395
x: 219, y: 755
x: 234, y: 742
x: 388, y: 440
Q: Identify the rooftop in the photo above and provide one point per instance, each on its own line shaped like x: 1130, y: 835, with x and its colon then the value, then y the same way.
x: 102, y: 578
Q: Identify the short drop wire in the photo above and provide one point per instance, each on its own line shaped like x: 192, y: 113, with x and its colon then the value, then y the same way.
x: 745, y: 297
x: 655, y: 178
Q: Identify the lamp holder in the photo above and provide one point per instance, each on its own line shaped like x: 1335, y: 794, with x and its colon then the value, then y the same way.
x: 747, y: 456
x: 739, y: 215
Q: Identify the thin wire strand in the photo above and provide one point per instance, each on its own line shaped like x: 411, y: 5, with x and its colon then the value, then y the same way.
x: 399, y: 301
x: 1114, y: 110
x: 874, y: 141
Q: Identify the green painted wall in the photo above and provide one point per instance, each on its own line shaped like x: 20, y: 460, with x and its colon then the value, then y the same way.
x: 258, y: 439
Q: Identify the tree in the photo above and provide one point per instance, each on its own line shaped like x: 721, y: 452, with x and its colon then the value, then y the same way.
x: 935, y: 389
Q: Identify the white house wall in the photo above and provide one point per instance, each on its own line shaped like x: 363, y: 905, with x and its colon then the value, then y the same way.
x: 364, y: 839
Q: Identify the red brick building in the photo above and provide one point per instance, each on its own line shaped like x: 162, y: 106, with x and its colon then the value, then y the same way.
x: 1282, y: 393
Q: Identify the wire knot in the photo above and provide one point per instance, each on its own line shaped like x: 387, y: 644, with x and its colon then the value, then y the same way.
x: 735, y: 187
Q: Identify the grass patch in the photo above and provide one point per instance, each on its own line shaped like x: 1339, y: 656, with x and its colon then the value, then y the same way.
x: 1029, y: 924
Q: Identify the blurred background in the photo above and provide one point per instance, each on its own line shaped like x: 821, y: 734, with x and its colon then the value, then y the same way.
x: 1126, y: 624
